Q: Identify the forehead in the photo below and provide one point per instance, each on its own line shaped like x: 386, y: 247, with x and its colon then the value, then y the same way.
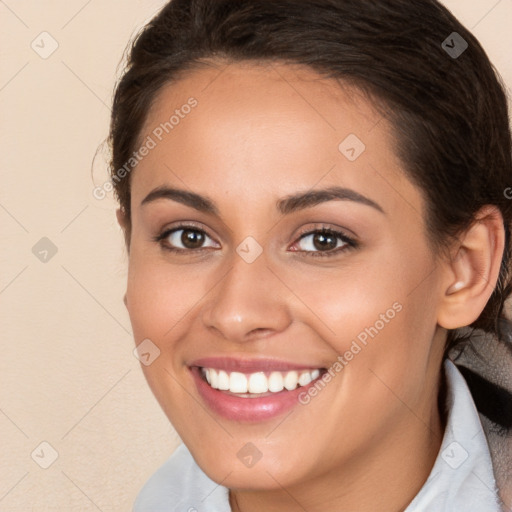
x: 267, y: 130
x: 248, y: 96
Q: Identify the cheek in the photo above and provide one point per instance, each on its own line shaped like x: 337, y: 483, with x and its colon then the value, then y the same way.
x: 362, y: 293
x: 159, y: 295
x: 159, y: 298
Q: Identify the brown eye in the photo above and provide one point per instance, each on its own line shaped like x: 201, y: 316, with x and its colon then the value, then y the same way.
x: 324, y: 242
x: 183, y: 239
x: 191, y: 239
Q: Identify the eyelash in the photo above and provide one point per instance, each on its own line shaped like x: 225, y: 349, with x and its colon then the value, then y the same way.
x: 350, y: 243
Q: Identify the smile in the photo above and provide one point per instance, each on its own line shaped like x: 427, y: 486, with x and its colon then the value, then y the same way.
x: 251, y: 391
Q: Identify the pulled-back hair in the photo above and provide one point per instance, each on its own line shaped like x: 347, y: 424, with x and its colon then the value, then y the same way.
x: 448, y: 110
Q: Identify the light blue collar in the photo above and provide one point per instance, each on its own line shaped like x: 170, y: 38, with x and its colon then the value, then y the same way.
x: 462, y: 478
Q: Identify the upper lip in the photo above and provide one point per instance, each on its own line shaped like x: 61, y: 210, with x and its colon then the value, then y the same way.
x: 244, y: 365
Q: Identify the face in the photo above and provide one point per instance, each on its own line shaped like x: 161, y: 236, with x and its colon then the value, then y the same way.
x: 237, y: 281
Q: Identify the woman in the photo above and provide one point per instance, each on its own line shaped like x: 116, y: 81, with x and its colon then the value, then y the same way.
x: 313, y: 196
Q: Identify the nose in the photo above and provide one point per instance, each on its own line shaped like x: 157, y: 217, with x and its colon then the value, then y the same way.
x: 248, y: 303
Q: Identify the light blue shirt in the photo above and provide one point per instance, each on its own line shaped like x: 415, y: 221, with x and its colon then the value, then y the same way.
x: 462, y: 479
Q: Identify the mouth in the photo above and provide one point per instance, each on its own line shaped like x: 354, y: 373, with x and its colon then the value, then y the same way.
x: 252, y: 391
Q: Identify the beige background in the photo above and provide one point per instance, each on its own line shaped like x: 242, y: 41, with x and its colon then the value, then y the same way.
x: 68, y: 376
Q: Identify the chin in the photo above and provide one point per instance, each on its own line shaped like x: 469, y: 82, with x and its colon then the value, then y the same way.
x: 248, y: 468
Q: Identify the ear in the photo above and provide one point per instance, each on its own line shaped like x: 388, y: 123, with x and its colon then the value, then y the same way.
x: 123, y: 222
x: 472, y: 273
x: 121, y: 217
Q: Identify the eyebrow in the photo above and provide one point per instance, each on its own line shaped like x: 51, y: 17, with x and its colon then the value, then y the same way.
x: 285, y: 206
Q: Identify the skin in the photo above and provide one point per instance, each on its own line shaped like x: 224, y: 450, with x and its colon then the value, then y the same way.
x: 258, y: 134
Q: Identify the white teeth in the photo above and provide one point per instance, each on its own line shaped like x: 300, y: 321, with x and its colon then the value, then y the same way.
x: 214, y: 379
x: 237, y: 383
x: 275, y: 382
x: 223, y: 381
x: 291, y: 380
x: 305, y: 378
x: 258, y: 382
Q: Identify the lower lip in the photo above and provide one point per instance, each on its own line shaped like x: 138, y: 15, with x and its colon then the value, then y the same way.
x: 247, y: 409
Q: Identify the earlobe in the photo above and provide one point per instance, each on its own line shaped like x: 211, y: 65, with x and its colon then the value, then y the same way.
x: 473, y: 272
x: 121, y: 218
